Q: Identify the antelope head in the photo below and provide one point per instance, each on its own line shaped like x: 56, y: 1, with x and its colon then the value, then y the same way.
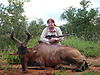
x: 21, y: 46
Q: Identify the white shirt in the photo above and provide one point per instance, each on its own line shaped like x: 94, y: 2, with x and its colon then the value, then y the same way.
x: 46, y: 31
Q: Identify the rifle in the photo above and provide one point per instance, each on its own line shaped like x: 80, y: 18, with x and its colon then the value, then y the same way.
x: 53, y: 36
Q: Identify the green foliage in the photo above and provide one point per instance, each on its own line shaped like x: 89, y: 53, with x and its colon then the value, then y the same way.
x: 4, y: 65
x: 11, y: 19
x: 13, y: 59
x: 33, y: 41
x: 88, y: 48
x: 17, y: 21
x: 87, y: 73
x: 66, y: 73
x: 61, y: 73
x: 36, y: 27
x: 82, y: 21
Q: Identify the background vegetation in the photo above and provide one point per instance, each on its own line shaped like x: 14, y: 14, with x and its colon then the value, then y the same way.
x: 82, y: 25
x: 82, y: 22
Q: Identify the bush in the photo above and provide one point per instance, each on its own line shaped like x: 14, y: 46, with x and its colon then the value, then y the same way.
x: 13, y: 59
x: 88, y: 73
x: 88, y: 48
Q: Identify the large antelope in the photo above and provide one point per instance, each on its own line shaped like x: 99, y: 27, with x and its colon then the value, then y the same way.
x: 49, y: 55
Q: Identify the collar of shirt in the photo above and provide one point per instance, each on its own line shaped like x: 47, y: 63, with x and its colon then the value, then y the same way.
x: 52, y: 30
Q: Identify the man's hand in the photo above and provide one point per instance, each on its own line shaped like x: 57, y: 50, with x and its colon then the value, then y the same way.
x: 54, y: 40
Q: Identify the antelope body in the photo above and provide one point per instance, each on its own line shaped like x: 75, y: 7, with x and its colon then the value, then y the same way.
x: 49, y: 55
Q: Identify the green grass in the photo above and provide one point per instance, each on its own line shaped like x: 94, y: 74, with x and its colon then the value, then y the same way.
x: 15, y: 59
x: 88, y: 48
x: 33, y: 42
x: 68, y: 73
x: 62, y: 73
x: 88, y: 73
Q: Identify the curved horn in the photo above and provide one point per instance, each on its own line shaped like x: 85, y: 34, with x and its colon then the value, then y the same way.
x: 27, y: 39
x: 14, y: 39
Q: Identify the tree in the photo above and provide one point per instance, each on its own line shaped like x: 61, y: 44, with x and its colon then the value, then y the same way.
x: 17, y: 20
x: 36, y: 27
x: 11, y: 19
x: 4, y: 26
x: 81, y: 19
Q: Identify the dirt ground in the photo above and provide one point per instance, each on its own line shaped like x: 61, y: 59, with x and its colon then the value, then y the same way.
x: 94, y: 66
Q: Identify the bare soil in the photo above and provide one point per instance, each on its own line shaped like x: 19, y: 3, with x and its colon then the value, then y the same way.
x: 94, y: 66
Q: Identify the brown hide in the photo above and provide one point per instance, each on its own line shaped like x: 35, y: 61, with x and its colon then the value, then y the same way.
x: 48, y: 54
x: 36, y: 56
x: 53, y: 55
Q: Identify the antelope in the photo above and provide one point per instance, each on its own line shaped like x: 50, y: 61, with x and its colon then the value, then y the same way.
x: 49, y: 55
